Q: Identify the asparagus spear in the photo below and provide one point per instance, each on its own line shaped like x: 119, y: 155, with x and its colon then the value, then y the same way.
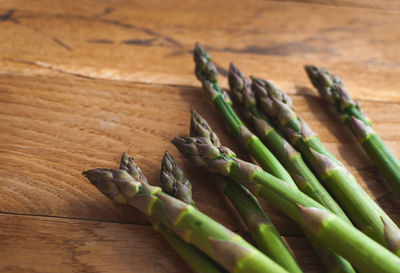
x: 173, y: 180
x: 330, y: 260
x: 364, y: 253
x: 219, y: 243
x: 206, y: 72
x: 362, y: 210
x: 332, y: 90
x: 291, y: 159
x: 194, y: 258
x: 260, y: 226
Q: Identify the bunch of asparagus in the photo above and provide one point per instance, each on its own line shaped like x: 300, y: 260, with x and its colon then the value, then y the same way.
x: 296, y: 173
x: 267, y: 108
x: 206, y: 73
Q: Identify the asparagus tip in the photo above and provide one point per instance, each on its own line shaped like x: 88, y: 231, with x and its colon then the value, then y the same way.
x: 205, y: 68
x: 310, y: 69
x: 115, y: 184
x: 203, y: 153
x: 199, y: 127
x: 128, y: 164
x: 235, y: 78
x: 174, y: 181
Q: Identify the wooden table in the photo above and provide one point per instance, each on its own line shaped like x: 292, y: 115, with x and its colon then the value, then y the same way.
x: 83, y: 81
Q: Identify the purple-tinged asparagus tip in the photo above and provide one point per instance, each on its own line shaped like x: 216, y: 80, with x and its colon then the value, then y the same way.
x: 205, y: 68
x: 199, y: 127
x: 319, y: 76
x: 237, y: 80
x: 129, y: 165
x: 173, y: 180
x: 115, y: 184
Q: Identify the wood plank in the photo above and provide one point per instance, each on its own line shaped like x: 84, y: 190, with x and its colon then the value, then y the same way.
x: 151, y: 42
x: 82, y: 82
x: 47, y: 244
x: 55, y: 127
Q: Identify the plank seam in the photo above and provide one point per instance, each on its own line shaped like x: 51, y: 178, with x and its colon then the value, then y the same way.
x: 107, y: 221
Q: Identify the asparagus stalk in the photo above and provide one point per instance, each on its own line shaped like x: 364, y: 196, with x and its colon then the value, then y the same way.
x: 194, y: 258
x: 359, y: 206
x: 291, y: 159
x: 332, y: 90
x: 330, y: 260
x: 260, y: 226
x: 219, y: 243
x: 207, y: 73
x: 364, y: 253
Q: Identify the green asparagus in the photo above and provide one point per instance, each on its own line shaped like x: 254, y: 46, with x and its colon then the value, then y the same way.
x: 219, y: 243
x: 206, y: 72
x: 194, y: 258
x: 364, y: 253
x: 260, y: 226
x: 291, y: 159
x: 358, y: 205
x: 332, y: 90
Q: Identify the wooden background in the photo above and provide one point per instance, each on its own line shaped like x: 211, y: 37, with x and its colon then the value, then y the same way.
x: 83, y: 81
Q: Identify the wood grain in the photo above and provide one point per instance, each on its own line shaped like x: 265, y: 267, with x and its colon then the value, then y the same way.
x: 92, y: 246
x: 52, y: 132
x: 123, y: 40
x: 83, y: 81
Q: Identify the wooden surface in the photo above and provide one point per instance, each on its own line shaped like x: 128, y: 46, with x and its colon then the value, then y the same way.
x: 83, y: 81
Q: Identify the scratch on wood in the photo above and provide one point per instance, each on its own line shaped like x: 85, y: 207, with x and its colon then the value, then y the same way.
x: 116, y: 23
x: 144, y: 42
x: 107, y: 10
x: 173, y: 41
x: 285, y: 49
x: 62, y: 44
x: 100, y: 41
x: 179, y: 53
x: 8, y: 16
x: 168, y: 39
